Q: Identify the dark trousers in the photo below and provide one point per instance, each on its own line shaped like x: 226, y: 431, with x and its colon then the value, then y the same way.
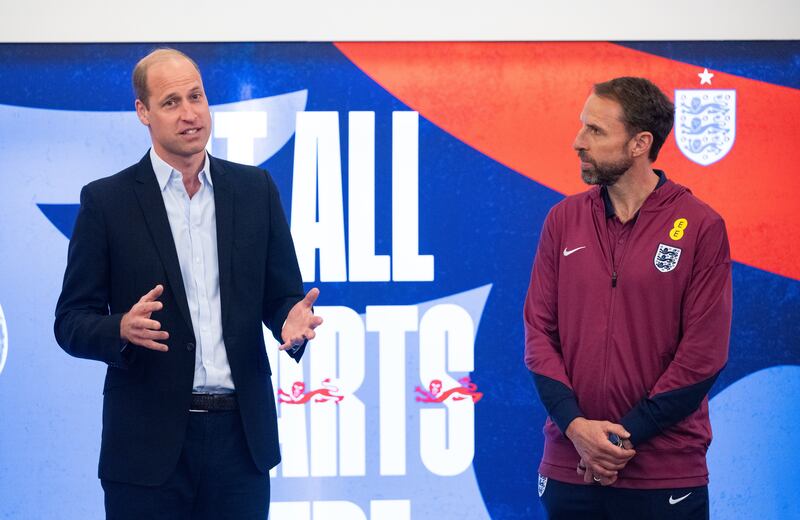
x: 563, y: 501
x: 215, y: 479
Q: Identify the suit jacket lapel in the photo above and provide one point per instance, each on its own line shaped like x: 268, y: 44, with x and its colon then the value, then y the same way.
x: 223, y: 203
x: 155, y: 214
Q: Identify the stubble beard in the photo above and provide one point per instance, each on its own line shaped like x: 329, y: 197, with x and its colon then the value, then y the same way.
x: 605, y: 174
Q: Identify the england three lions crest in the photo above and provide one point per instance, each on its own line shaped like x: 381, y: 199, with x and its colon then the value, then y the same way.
x: 705, y: 124
x: 666, y: 258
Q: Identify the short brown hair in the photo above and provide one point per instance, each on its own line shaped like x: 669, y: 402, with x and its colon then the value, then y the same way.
x: 140, y: 70
x: 645, y: 108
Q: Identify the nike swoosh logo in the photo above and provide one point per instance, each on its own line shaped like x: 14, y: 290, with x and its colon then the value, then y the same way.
x: 570, y: 251
x: 673, y: 501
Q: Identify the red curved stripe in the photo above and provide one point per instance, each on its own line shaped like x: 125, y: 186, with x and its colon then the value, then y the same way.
x: 519, y: 103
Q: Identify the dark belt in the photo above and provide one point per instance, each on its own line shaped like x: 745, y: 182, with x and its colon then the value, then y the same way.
x: 213, y: 403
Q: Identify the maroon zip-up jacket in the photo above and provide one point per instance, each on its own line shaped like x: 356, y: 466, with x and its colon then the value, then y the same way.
x: 638, y: 345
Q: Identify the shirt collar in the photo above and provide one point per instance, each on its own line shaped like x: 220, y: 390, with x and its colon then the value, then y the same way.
x: 164, y: 171
x: 609, y: 207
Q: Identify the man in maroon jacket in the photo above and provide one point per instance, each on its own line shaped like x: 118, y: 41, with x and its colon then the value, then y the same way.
x: 627, y: 322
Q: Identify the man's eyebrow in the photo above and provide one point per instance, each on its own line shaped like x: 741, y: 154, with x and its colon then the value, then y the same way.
x: 169, y: 96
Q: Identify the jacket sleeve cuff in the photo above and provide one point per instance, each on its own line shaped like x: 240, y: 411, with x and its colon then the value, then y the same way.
x: 297, y: 352
x: 122, y: 353
x: 127, y: 355
x: 558, y: 399
x: 565, y: 412
x: 655, y: 414
x: 640, y: 424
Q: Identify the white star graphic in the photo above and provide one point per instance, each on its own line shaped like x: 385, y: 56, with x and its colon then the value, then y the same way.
x: 705, y: 77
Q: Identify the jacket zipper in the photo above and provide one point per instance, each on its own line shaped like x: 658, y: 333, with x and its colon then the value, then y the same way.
x: 614, y: 277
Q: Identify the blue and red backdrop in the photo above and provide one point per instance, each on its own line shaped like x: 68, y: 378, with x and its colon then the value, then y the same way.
x: 416, y: 177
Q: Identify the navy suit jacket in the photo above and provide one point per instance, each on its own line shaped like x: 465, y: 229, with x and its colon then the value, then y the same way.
x: 120, y: 249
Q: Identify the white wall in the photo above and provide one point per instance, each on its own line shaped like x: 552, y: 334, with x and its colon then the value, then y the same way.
x: 353, y: 20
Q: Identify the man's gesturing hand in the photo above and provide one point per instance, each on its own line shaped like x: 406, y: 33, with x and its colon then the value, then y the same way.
x: 601, y: 458
x: 136, y: 326
x: 301, y: 322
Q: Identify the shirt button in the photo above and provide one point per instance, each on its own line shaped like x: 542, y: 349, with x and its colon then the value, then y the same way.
x: 197, y: 260
x: 190, y: 347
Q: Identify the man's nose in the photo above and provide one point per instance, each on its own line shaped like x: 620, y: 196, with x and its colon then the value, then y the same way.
x: 580, y: 142
x: 188, y: 113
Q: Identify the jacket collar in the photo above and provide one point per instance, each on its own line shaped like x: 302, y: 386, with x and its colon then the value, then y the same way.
x: 609, y: 207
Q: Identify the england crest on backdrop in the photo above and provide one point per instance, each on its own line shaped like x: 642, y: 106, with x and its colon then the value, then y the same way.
x: 705, y: 124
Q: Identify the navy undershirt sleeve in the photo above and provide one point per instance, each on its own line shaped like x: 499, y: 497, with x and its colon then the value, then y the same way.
x: 558, y: 399
x: 652, y: 415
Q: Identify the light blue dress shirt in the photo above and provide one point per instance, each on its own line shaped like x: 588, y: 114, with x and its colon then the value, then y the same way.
x: 194, y: 230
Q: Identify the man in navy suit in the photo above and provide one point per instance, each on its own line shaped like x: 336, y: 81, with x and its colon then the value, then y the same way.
x: 173, y: 265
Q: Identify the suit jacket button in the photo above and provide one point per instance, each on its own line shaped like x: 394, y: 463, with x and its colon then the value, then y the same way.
x: 190, y: 347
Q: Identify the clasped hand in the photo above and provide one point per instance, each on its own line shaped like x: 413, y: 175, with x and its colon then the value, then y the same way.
x: 601, y: 460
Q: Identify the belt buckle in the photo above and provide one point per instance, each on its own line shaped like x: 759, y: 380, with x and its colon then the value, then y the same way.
x: 195, y: 410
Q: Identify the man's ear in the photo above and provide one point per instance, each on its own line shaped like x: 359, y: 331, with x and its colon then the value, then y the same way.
x: 641, y: 144
x: 142, y: 112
